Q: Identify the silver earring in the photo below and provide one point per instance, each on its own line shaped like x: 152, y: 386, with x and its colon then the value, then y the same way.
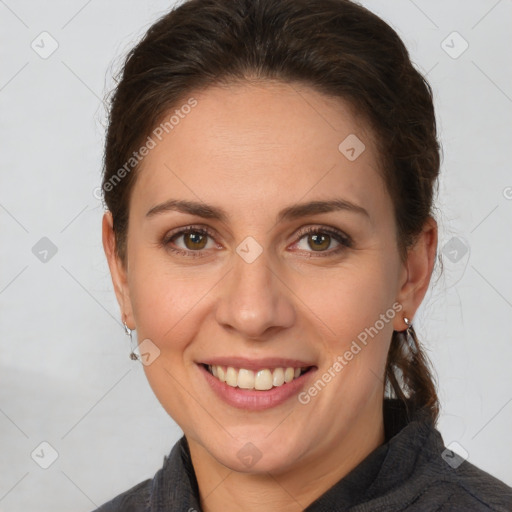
x: 410, y: 336
x: 128, y: 332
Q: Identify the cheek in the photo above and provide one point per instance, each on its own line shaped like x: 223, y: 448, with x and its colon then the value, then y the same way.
x: 354, y: 297
x: 170, y: 302
x: 162, y: 306
x: 167, y: 308
x: 354, y: 309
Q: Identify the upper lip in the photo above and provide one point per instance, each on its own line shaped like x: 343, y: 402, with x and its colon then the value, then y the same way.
x: 256, y: 364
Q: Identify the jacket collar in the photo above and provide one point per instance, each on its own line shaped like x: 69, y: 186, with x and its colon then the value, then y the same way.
x: 175, y: 487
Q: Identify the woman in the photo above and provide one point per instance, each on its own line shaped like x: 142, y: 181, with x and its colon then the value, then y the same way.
x: 269, y: 175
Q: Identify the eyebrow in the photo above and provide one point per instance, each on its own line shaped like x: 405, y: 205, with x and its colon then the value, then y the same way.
x: 290, y: 213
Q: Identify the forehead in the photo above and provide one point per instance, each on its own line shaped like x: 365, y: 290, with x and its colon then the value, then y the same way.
x: 260, y: 146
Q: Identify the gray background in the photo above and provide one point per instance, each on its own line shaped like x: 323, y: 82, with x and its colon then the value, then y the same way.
x: 66, y: 378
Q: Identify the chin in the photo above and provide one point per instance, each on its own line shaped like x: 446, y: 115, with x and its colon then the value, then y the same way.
x: 258, y: 454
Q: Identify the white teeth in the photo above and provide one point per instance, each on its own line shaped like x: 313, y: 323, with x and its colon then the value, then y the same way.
x: 289, y: 374
x: 278, y: 377
x: 261, y: 380
x: 245, y: 379
x: 231, y: 377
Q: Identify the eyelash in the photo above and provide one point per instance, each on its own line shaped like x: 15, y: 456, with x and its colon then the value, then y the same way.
x: 344, y: 240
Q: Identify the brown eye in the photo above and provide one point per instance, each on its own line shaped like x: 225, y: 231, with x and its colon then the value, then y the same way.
x: 319, y: 241
x: 189, y: 242
x: 195, y: 240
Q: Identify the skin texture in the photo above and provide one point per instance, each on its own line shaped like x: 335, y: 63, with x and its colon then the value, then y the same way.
x: 253, y: 149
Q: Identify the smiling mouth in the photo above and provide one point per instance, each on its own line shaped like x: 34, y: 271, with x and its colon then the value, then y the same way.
x: 260, y: 380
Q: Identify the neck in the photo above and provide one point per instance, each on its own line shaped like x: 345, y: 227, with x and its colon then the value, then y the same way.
x: 222, y: 489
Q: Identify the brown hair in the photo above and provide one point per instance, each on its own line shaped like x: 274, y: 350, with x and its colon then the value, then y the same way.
x: 335, y: 46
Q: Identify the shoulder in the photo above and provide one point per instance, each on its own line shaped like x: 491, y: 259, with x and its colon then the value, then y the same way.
x: 420, y: 473
x: 477, y: 490
x: 136, y: 499
x: 454, y: 485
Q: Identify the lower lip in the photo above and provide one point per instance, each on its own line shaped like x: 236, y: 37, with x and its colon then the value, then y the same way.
x: 255, y: 400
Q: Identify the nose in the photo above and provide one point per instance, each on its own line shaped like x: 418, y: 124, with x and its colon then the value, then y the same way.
x: 255, y: 301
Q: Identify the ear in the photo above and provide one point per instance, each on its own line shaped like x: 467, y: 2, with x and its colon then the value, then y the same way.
x: 417, y: 272
x: 118, y: 270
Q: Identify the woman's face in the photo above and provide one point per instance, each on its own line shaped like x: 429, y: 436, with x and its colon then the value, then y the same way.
x: 249, y: 170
